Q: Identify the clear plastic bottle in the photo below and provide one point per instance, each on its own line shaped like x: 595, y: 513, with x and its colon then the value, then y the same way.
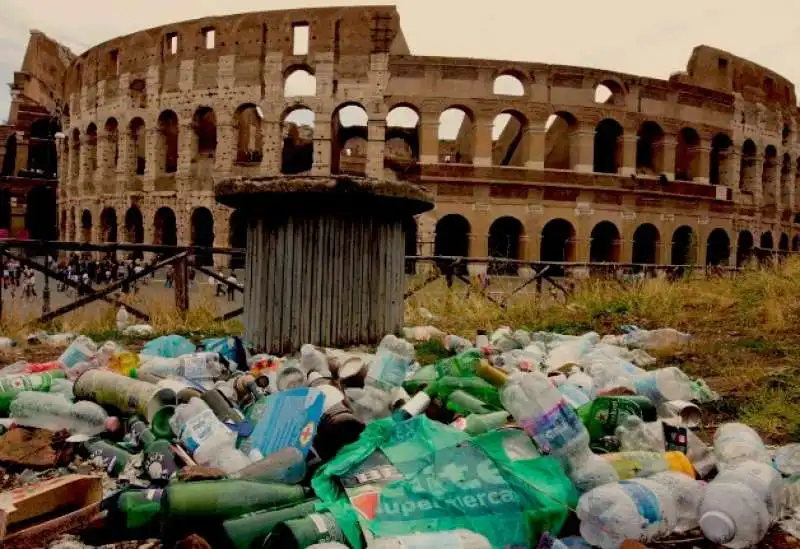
x: 452, y: 539
x: 391, y: 363
x: 740, y: 504
x: 123, y: 318
x: 202, y: 368
x: 663, y: 384
x: 313, y: 360
x: 54, y: 413
x: 689, y: 494
x: 737, y: 442
x: 639, y: 509
x: 457, y: 344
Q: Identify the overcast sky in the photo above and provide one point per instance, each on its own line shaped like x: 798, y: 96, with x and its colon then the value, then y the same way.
x: 622, y: 35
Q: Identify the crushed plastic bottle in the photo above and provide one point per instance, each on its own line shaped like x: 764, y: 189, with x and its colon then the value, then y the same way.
x: 737, y: 442
x: 689, y: 494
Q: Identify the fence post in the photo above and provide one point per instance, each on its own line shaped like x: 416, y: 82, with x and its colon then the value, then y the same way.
x: 182, y: 285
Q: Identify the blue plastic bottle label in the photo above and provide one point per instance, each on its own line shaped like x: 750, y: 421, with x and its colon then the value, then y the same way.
x: 555, y: 429
x: 645, y: 500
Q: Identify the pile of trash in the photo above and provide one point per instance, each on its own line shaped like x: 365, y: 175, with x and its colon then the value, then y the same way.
x: 515, y: 439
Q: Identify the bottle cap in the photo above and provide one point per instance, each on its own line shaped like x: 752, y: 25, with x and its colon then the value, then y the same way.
x: 112, y: 424
x: 717, y: 527
x: 160, y: 422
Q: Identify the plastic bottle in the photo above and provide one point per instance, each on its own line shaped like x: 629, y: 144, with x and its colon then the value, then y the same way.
x: 80, y: 350
x: 630, y: 465
x: 737, y: 442
x: 11, y: 386
x: 461, y: 365
x: 463, y: 403
x: 391, y: 363
x: 689, y: 494
x: 663, y: 384
x: 202, y: 368
x: 478, y: 424
x: 447, y: 539
x: 456, y: 344
x: 740, y: 504
x: 638, y: 509
x: 475, y: 386
x: 125, y: 363
x: 123, y: 318
x: 54, y: 413
x: 312, y: 360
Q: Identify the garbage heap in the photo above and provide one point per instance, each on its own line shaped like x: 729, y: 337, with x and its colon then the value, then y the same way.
x: 513, y: 440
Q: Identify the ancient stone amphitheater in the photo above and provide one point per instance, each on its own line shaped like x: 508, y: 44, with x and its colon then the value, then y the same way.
x: 525, y: 160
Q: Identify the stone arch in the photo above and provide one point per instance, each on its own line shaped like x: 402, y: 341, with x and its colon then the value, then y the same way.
x: 608, y: 146
x: 40, y: 214
x: 452, y: 236
x: 768, y: 174
x: 505, y: 242
x: 509, y: 147
x: 402, y: 136
x: 604, y: 243
x: 349, y: 134
x: 108, y: 225
x: 557, y: 244
x: 786, y: 134
x: 748, y: 169
x: 410, y: 236
x: 91, y: 149
x: 237, y: 237
x: 299, y: 82
x: 168, y: 141
x: 111, y: 154
x: 744, y: 248
x: 10, y: 156
x: 646, y: 244
x: 650, y: 149
x: 202, y: 229
x: 138, y: 145
x: 204, y: 123
x: 298, y: 141
x: 86, y: 226
x: 766, y: 242
x: 247, y: 125
x: 684, y: 246
x: 508, y: 84
x: 783, y: 243
x: 456, y: 136
x: 610, y: 91
x: 718, y: 247
x: 165, y: 227
x: 687, y: 161
x: 134, y: 225
x: 787, y: 180
x: 719, y: 161
x: 560, y: 142
x: 42, y: 153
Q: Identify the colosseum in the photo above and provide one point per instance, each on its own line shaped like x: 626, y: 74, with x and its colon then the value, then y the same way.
x: 530, y: 161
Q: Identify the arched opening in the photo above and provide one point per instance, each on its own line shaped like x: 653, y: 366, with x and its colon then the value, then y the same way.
x: 508, y: 139
x: 166, y: 229
x: 508, y: 84
x: 203, y: 234
x: 402, y: 137
x: 456, y: 136
x: 349, y: 140
x: 111, y: 151
x: 205, y: 132
x: 108, y: 225
x: 787, y: 180
x: 10, y: 156
x: 686, y: 157
x: 766, y: 242
x: 604, y: 243
x: 134, y: 226
x: 646, y: 242
x: 40, y: 214
x: 609, y: 92
x: 168, y: 141
x: 71, y: 225
x: 451, y: 240
x: 683, y: 246
x: 410, y: 235
x: 719, y: 167
x: 505, y: 234
x: 718, y: 248
x: 557, y: 244
x: 91, y: 150
x: 75, y: 163
x: 86, y: 226
x: 298, y: 141
x: 786, y: 134
x: 748, y: 169
x: 650, y: 149
x: 42, y: 155
x: 783, y: 243
x: 237, y: 234
x: 138, y: 94
x: 5, y: 210
x: 769, y: 175
x: 607, y: 146
x: 139, y: 145
x: 560, y: 142
x: 744, y: 248
x: 249, y: 134
x: 796, y: 243
x: 797, y: 181
x: 299, y: 82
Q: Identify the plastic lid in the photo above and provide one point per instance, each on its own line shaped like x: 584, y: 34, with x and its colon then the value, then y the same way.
x: 717, y: 526
x: 160, y: 422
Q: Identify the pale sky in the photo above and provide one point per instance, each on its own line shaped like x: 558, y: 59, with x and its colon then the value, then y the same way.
x: 622, y: 35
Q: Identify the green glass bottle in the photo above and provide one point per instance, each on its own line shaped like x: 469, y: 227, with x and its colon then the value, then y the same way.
x: 422, y: 378
x: 138, y: 511
x: 602, y: 416
x: 464, y: 404
x: 246, y: 532
x: 478, y: 424
x: 475, y: 386
x: 461, y: 365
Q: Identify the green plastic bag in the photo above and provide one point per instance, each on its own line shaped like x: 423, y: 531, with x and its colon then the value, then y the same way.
x: 421, y: 476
